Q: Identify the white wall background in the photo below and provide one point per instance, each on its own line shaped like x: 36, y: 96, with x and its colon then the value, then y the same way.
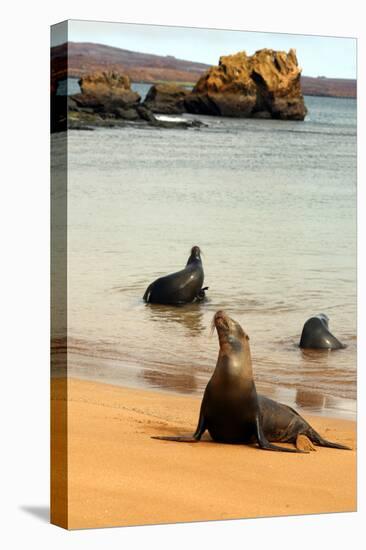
x: 24, y: 217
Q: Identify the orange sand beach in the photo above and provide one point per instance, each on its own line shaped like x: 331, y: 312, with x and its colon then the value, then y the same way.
x: 118, y: 475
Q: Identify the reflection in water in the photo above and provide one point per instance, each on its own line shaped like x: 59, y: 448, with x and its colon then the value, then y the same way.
x: 309, y: 402
x: 183, y: 382
x: 309, y: 399
x: 189, y: 316
x: 316, y: 355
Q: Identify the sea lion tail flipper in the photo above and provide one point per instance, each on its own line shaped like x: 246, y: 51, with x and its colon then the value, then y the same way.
x: 319, y: 440
x: 304, y: 443
x: 180, y: 438
x: 267, y: 446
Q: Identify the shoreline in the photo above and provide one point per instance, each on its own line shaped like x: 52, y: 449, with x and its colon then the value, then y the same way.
x: 303, y: 399
x: 118, y: 475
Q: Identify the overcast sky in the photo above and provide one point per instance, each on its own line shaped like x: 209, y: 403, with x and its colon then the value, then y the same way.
x: 317, y: 55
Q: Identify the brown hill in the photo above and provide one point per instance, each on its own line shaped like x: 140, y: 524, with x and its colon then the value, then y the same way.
x: 329, y: 87
x: 85, y: 58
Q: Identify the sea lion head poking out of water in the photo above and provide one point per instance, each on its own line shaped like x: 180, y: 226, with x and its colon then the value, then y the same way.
x: 316, y: 334
x: 195, y: 254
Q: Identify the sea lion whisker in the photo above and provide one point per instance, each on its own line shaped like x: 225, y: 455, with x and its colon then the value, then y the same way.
x: 212, y: 326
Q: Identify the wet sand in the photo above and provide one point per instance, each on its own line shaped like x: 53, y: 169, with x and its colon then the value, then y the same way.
x: 118, y: 475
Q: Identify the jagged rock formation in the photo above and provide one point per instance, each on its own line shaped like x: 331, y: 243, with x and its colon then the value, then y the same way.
x: 106, y: 100
x: 266, y: 84
x: 166, y: 99
x: 108, y: 93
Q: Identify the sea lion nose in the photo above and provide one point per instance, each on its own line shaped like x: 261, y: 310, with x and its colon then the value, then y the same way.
x: 220, y: 314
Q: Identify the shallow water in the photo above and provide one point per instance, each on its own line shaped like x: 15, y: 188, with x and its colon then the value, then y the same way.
x: 272, y: 204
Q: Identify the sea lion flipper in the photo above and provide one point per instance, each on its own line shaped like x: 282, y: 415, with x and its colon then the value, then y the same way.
x: 319, y: 440
x: 201, y: 296
x: 201, y: 426
x: 304, y: 443
x: 267, y: 446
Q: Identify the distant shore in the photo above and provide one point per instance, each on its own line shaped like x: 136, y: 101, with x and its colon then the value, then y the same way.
x: 118, y: 475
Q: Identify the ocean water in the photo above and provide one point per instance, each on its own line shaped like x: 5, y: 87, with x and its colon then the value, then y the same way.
x: 70, y: 86
x: 272, y: 204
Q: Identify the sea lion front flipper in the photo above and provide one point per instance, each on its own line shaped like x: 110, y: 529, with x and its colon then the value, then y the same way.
x: 266, y: 445
x: 303, y: 443
x: 201, y: 296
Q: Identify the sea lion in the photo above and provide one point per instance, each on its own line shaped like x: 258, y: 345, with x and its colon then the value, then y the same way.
x: 316, y: 335
x: 233, y: 412
x: 182, y: 287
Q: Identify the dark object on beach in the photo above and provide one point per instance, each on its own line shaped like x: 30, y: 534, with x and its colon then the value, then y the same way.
x: 264, y: 85
x: 233, y: 412
x: 316, y: 335
x: 182, y: 287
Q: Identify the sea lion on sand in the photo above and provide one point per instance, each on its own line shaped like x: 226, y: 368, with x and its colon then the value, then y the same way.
x: 233, y: 412
x: 316, y: 335
x: 182, y: 287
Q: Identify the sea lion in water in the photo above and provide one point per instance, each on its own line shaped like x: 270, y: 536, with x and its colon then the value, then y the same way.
x: 316, y: 335
x: 233, y: 412
x: 182, y: 287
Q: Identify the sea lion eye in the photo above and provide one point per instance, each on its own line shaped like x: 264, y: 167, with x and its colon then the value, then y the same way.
x: 241, y: 332
x: 235, y: 344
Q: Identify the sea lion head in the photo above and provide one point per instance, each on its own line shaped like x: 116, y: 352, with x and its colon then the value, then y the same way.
x: 195, y: 254
x: 316, y: 334
x: 229, y: 331
x: 324, y: 319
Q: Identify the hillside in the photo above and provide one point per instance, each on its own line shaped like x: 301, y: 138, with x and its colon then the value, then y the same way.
x: 329, y: 87
x: 85, y: 57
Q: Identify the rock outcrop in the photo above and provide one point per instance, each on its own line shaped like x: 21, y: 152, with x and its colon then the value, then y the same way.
x: 106, y: 100
x: 107, y: 92
x: 166, y: 99
x: 266, y: 84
